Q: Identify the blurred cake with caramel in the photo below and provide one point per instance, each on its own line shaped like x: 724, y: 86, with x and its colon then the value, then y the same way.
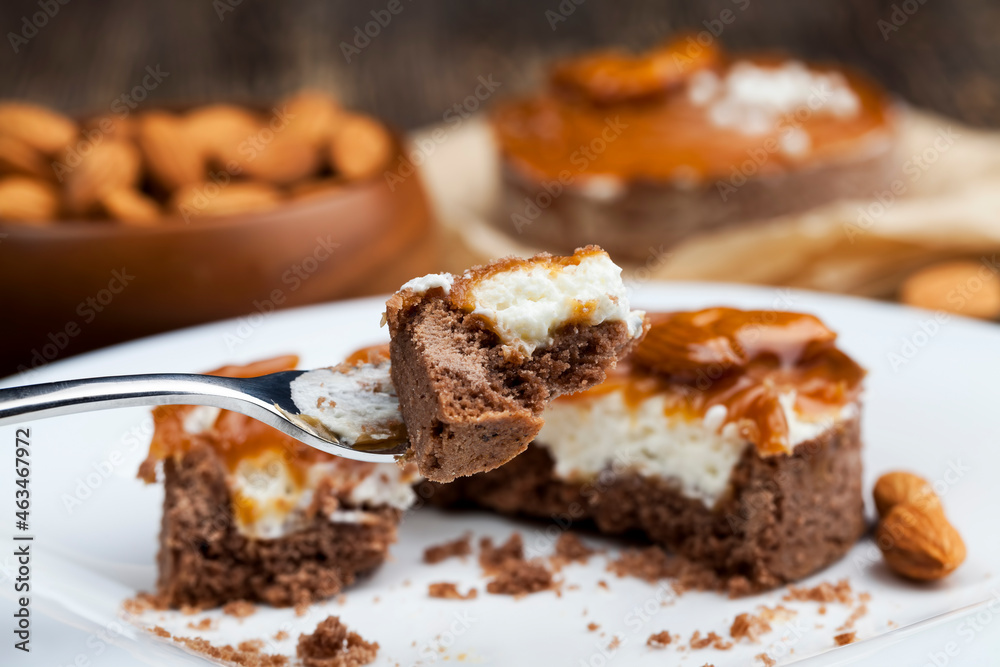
x: 632, y: 151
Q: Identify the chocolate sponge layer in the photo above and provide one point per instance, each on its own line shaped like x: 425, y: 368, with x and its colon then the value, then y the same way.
x: 205, y: 562
x: 468, y: 407
x: 783, y: 517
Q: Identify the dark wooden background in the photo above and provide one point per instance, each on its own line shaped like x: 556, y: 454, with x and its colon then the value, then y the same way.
x: 944, y: 56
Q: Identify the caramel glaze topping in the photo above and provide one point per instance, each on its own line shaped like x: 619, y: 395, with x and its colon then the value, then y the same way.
x: 236, y: 437
x: 612, y: 114
x: 743, y: 360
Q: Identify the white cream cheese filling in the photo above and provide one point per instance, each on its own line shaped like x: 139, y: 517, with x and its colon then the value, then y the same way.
x: 354, y: 403
x: 588, y: 436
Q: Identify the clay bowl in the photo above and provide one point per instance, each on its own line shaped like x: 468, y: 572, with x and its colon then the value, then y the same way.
x: 73, y: 286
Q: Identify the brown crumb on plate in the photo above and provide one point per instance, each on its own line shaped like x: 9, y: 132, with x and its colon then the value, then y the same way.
x: 455, y: 548
x: 449, y: 591
x: 203, y: 624
x: 570, y: 548
x: 614, y: 643
x: 592, y: 627
x: 712, y: 640
x: 280, y: 635
x: 239, y: 608
x: 243, y: 657
x: 825, y: 592
x: 845, y: 638
x: 519, y: 578
x: 766, y: 660
x: 659, y: 639
x: 333, y: 645
x: 301, y: 609
x: 750, y: 627
x: 492, y: 558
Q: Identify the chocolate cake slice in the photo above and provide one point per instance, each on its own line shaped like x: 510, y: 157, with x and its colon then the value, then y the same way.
x: 252, y: 514
x: 476, y: 357
x: 730, y: 437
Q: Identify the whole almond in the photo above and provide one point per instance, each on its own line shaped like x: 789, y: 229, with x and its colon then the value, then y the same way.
x: 313, y: 115
x: 220, y: 130
x: 170, y: 153
x: 110, y: 126
x: 286, y: 158
x: 28, y: 200
x: 131, y: 207
x: 211, y: 199
x: 17, y: 157
x: 361, y: 148
x: 43, y: 129
x: 918, y: 543
x: 963, y: 287
x: 899, y: 487
x: 110, y: 165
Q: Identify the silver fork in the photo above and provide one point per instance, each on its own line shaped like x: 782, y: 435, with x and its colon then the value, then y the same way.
x: 266, y: 398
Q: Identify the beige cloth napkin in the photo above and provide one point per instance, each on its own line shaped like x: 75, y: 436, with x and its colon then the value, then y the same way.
x: 946, y: 204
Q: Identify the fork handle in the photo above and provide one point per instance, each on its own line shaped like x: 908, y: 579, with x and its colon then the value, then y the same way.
x: 51, y: 399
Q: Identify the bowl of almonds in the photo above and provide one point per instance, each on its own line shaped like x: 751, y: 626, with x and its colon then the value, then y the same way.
x: 217, y: 211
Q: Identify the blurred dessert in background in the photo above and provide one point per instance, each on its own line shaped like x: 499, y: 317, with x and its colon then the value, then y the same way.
x: 158, y: 166
x: 630, y: 152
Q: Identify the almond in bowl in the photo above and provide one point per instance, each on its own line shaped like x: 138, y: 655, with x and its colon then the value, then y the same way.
x: 218, y: 211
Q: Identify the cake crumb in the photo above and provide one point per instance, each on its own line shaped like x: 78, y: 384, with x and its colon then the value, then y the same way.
x: 159, y: 632
x: 571, y: 549
x: 239, y: 608
x: 750, y: 627
x: 246, y: 655
x: 825, y: 592
x: 766, y: 660
x: 203, y: 624
x: 280, y: 635
x: 301, y: 609
x: 845, y: 638
x: 332, y: 645
x: 603, y: 584
x: 141, y: 603
x: 856, y: 613
x: 520, y: 578
x: 649, y: 564
x: 492, y: 558
x: 614, y: 643
x: 659, y: 639
x: 712, y: 640
x: 449, y: 591
x: 592, y: 627
x: 455, y: 548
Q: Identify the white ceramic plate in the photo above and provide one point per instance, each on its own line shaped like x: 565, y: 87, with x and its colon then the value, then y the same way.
x: 931, y: 406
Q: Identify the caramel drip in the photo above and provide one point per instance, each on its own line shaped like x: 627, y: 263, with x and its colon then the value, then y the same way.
x: 614, y: 115
x: 742, y: 360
